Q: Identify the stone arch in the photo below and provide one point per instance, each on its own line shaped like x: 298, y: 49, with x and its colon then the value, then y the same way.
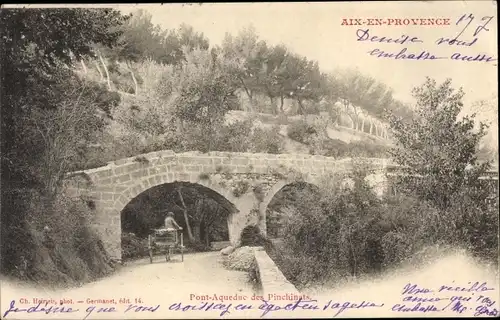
x: 112, y: 231
x: 147, y: 183
x: 271, y: 193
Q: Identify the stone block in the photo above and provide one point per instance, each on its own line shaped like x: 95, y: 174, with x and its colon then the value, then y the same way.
x: 104, y: 173
x: 122, y: 179
x: 107, y: 196
x: 227, y: 251
x: 193, y: 168
x: 239, y: 161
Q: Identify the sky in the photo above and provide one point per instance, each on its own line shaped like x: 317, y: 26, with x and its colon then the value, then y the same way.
x: 315, y: 30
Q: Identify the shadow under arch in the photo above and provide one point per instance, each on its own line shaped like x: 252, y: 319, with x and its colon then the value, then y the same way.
x: 112, y: 229
x: 147, y: 183
x: 276, y: 190
x: 208, y: 220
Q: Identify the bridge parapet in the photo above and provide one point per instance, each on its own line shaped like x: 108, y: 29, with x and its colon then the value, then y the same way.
x: 271, y: 278
x: 125, y: 170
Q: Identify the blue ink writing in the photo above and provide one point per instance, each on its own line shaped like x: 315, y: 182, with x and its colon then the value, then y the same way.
x: 416, y: 308
x: 241, y: 307
x: 476, y: 287
x: 349, y: 305
x: 419, y: 299
x: 38, y: 308
x: 485, y: 300
x: 458, y: 307
x: 479, y: 57
x: 470, y: 17
x: 205, y: 306
x: 483, y: 27
x: 91, y: 309
x: 137, y: 308
x: 456, y: 42
x: 480, y: 310
x: 413, y: 289
x: 460, y: 298
x: 363, y: 35
x: 299, y: 304
x: 402, y: 55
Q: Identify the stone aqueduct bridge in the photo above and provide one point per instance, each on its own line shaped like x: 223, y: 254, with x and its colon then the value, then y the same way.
x: 244, y: 183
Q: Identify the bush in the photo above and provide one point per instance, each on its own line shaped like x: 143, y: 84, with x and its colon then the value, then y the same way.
x: 345, y: 232
x: 133, y: 247
x: 266, y: 141
x: 234, y: 137
x: 60, y: 247
x: 252, y: 237
x: 301, y: 131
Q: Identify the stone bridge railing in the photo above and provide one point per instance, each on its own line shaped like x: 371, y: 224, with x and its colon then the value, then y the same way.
x: 271, y: 278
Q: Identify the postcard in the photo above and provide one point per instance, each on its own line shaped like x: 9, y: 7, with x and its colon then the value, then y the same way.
x: 249, y: 160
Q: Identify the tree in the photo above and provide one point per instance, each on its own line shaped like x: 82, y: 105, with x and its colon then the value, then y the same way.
x: 206, y: 93
x: 487, y: 111
x: 250, y: 56
x: 174, y: 44
x: 272, y: 80
x: 39, y: 91
x: 438, y: 147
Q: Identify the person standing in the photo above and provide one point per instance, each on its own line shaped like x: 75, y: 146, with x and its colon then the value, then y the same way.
x: 172, y: 227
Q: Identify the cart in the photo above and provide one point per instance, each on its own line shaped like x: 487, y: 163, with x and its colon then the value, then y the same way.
x: 166, y: 241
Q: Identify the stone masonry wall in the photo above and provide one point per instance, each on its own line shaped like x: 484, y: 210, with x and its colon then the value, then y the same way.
x: 271, y: 278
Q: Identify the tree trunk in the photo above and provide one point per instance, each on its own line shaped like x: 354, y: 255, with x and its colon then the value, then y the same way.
x: 371, y: 126
x: 197, y: 232
x: 186, y: 218
x: 282, y: 102
x: 248, y: 92
x: 105, y: 70
x: 273, y: 107
x: 301, y: 107
x: 136, y: 89
x: 363, y: 125
x: 207, y: 239
x: 84, y: 67
x: 99, y: 70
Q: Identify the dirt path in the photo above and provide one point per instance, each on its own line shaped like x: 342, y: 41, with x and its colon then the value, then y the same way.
x: 158, y: 283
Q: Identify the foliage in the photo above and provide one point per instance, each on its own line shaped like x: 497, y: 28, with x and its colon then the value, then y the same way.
x: 438, y: 146
x: 50, y: 120
x: 301, y: 131
x: 347, y: 231
x: 58, y: 245
x: 332, y: 229
x: 266, y: 141
x: 251, y: 236
x: 240, y: 188
x: 133, y: 247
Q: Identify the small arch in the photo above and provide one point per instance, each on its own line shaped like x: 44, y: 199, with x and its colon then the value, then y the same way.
x: 284, y: 200
x: 275, y: 189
